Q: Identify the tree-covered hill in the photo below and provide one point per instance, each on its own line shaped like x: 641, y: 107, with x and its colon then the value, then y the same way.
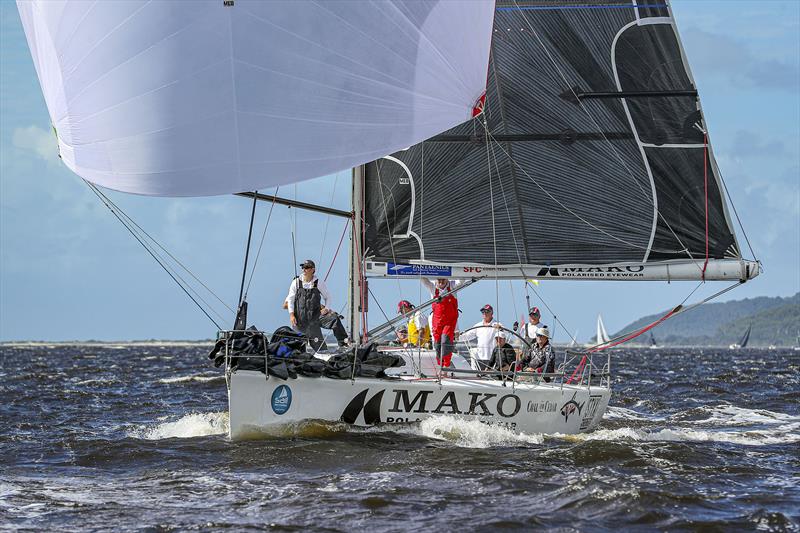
x: 774, y: 320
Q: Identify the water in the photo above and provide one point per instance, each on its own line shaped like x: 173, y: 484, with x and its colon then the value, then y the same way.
x: 134, y: 437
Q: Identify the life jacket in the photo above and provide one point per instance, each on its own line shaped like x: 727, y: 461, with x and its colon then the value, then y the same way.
x: 414, y: 332
x: 446, y: 307
x: 307, y: 303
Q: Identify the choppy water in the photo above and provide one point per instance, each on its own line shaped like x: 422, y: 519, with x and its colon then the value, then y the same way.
x: 135, y: 438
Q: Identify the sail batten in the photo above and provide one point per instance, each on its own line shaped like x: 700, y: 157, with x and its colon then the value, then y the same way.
x: 592, y: 143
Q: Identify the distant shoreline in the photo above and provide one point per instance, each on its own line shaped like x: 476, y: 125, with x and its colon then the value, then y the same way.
x: 110, y: 343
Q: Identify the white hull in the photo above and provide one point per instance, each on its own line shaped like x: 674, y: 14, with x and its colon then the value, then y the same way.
x: 258, y: 403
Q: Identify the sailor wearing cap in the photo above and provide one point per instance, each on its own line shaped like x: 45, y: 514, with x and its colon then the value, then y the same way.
x: 304, y: 302
x: 528, y: 330
x: 542, y: 357
x: 484, y: 331
x: 417, y: 331
x: 504, y: 356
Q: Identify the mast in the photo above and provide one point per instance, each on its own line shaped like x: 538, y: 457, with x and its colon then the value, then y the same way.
x: 356, y: 264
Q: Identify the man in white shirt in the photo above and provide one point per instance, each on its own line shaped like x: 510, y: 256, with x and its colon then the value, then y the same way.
x: 485, y: 332
x: 528, y: 330
x: 304, y: 303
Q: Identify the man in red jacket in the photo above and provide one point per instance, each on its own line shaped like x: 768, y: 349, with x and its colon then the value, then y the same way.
x: 445, y: 317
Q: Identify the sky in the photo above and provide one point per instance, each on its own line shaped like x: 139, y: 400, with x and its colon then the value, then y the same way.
x: 70, y: 271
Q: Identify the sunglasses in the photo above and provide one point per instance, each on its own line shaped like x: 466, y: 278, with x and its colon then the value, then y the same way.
x: 486, y: 311
x: 308, y: 268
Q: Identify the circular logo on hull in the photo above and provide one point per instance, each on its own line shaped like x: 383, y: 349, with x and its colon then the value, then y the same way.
x: 281, y: 399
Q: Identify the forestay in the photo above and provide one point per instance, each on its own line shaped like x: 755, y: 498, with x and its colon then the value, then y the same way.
x: 191, y: 98
x: 592, y: 162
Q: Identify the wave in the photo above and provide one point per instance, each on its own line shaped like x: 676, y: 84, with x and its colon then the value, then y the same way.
x: 469, y: 433
x: 730, y: 415
x: 621, y: 413
x: 194, y: 377
x: 188, y: 426
x: 786, y: 434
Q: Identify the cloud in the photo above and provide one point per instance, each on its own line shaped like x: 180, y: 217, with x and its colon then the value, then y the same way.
x: 35, y: 140
x: 750, y: 144
x: 724, y: 56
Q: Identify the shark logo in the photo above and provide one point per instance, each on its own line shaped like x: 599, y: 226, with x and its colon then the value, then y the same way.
x: 372, y: 408
x: 571, y: 406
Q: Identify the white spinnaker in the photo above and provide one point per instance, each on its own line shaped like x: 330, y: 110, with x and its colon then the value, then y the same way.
x: 195, y: 98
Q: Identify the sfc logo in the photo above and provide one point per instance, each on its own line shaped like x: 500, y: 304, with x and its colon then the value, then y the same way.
x: 281, y: 399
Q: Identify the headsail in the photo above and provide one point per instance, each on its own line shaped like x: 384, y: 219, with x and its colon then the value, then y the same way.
x: 593, y: 154
x: 196, y: 98
x: 602, y: 334
x: 746, y: 337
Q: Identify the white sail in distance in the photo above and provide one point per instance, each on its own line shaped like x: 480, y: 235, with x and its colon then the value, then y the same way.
x: 602, y: 335
x: 195, y: 98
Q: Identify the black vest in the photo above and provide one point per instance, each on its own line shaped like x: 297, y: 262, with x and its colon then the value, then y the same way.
x: 307, y: 303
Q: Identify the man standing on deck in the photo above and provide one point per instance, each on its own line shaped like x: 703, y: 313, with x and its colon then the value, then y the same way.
x: 304, y: 302
x: 528, y: 330
x: 485, y: 332
x: 331, y: 321
x: 445, y: 317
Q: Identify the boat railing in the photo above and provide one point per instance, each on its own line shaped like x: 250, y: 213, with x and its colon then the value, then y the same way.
x: 561, y: 377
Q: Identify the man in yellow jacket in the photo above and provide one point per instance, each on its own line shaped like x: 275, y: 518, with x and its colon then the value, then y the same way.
x: 419, y: 333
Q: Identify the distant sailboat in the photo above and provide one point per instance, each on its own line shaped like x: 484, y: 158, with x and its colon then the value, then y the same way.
x: 602, y: 334
x: 743, y: 341
x: 574, y: 342
x: 653, y: 343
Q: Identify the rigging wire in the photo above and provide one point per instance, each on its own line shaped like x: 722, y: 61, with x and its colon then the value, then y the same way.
x: 261, y: 242
x: 335, y: 255
x: 129, y: 221
x: 247, y: 249
x: 328, y: 218
x: 736, y: 213
x: 154, y: 255
x: 625, y: 337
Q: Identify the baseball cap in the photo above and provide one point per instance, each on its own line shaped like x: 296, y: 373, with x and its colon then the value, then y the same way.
x: 308, y: 263
x: 535, y: 311
x: 404, y: 303
x: 487, y: 307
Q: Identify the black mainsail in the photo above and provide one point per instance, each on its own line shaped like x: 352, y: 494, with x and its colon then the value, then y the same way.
x: 591, y: 151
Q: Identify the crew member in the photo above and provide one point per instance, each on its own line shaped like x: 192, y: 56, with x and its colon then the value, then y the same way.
x: 419, y: 334
x: 504, y: 357
x: 528, y: 330
x: 485, y: 332
x: 331, y: 321
x: 542, y: 357
x: 445, y: 317
x: 304, y: 302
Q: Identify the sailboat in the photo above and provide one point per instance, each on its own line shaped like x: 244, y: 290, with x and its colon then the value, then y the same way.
x: 573, y: 343
x: 527, y: 139
x: 743, y: 341
x: 602, y: 335
x: 653, y: 343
